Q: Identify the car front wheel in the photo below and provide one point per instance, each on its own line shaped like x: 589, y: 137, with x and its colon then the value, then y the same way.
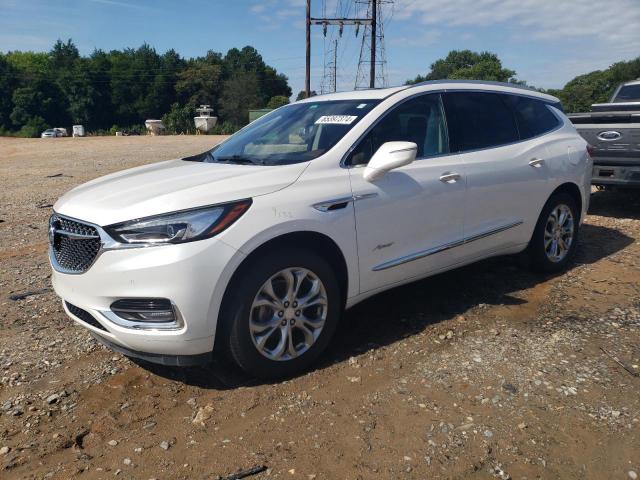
x: 283, y: 313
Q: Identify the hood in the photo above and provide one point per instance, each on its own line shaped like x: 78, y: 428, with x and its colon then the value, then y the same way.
x: 169, y: 186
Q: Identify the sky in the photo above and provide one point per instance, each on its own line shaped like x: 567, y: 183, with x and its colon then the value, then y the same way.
x: 547, y: 42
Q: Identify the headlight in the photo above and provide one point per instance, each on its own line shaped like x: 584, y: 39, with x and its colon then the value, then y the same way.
x: 179, y: 227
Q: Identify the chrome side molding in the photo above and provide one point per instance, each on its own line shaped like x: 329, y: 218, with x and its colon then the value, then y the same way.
x: 442, y: 248
x: 417, y: 255
x: 473, y: 238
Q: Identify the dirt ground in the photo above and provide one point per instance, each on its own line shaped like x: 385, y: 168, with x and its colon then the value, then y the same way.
x: 485, y: 372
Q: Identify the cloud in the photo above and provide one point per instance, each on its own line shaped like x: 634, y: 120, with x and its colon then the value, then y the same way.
x: 426, y: 38
x: 276, y: 11
x: 572, y: 36
x: 613, y: 23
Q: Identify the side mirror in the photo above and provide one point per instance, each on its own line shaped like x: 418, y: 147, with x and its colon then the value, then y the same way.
x: 390, y: 155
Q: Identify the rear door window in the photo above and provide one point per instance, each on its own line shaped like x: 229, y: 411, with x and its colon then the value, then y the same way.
x: 533, y: 116
x: 479, y: 120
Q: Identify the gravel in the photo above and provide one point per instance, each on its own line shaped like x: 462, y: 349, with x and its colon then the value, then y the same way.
x: 489, y: 370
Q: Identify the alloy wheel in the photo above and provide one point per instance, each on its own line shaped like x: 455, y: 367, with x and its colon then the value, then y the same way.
x: 288, y: 314
x: 559, y: 233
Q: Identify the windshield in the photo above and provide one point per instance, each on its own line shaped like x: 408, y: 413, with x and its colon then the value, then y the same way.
x: 629, y: 93
x: 292, y: 134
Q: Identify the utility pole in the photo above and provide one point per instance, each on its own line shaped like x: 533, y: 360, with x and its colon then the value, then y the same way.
x: 341, y: 22
x: 372, y: 69
x: 372, y: 49
x: 335, y: 65
x: 307, y: 76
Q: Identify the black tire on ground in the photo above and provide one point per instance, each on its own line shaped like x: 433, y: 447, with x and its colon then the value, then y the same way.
x: 536, y: 253
x: 237, y: 310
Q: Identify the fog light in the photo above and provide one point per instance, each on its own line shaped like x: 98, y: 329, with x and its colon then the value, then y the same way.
x: 154, y: 310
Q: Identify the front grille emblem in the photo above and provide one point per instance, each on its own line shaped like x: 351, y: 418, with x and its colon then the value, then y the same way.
x: 52, y: 229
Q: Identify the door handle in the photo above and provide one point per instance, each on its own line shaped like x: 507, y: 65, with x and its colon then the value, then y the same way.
x: 449, y: 177
x: 536, y: 162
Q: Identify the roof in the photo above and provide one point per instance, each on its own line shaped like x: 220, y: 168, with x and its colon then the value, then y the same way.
x: 381, y: 93
x: 369, y: 94
x: 487, y: 85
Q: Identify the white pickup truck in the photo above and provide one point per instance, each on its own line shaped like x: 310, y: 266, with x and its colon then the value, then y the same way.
x: 613, y: 130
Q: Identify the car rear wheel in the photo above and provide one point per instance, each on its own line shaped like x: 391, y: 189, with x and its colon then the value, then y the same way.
x: 555, y: 237
x: 283, y: 313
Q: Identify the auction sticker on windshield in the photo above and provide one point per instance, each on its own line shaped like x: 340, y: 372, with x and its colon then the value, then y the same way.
x: 336, y: 119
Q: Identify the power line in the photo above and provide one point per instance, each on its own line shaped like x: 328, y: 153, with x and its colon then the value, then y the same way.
x: 325, y: 22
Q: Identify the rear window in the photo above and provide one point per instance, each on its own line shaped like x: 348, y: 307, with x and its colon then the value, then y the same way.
x: 533, y: 116
x: 628, y: 93
x: 479, y: 120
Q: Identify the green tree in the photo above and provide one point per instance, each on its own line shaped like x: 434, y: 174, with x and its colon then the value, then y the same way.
x: 41, y: 99
x: 98, y: 70
x: 468, y: 65
x: 179, y: 119
x: 8, y: 83
x: 64, y: 55
x: 125, y: 87
x: 35, y: 92
x: 302, y: 94
x: 240, y: 93
x: 137, y: 92
x: 71, y: 75
x: 273, y: 84
x: 248, y: 60
x: 200, y: 82
x: 278, y: 101
x: 596, y: 87
x: 33, y: 127
x: 31, y: 65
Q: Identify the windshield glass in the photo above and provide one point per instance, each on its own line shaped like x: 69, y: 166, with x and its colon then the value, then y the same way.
x: 629, y: 93
x: 292, y: 134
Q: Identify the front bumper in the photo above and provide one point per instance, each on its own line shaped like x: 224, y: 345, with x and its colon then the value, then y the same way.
x: 160, y: 359
x: 192, y: 275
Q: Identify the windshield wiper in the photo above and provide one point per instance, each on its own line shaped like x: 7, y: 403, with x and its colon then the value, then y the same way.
x: 239, y: 159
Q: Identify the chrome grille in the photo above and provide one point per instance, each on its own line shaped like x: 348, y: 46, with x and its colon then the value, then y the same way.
x: 74, y: 244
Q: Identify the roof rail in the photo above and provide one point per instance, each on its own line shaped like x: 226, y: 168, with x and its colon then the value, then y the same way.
x: 478, y: 82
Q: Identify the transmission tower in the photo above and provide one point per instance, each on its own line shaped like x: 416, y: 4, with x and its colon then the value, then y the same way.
x: 372, y: 65
x: 329, y: 82
x: 330, y: 73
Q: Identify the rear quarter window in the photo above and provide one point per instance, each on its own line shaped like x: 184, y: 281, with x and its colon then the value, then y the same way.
x: 479, y: 120
x: 533, y: 116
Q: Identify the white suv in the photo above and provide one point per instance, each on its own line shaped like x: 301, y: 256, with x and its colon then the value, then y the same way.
x: 258, y: 245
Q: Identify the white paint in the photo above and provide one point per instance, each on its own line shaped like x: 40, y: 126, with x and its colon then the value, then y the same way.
x: 407, y: 208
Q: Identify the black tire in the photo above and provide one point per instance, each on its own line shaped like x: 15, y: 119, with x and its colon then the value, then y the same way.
x: 237, y: 310
x: 536, y: 252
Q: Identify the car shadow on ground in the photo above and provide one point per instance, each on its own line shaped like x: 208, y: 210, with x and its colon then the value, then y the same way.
x: 404, y: 311
x: 616, y: 204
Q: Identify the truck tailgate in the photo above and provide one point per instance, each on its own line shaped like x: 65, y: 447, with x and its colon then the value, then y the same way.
x: 615, y: 143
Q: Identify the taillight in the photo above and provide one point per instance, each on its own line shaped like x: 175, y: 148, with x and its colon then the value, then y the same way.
x: 590, y: 150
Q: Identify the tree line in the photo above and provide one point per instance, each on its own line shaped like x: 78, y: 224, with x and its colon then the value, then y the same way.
x: 120, y: 89
x: 576, y: 96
